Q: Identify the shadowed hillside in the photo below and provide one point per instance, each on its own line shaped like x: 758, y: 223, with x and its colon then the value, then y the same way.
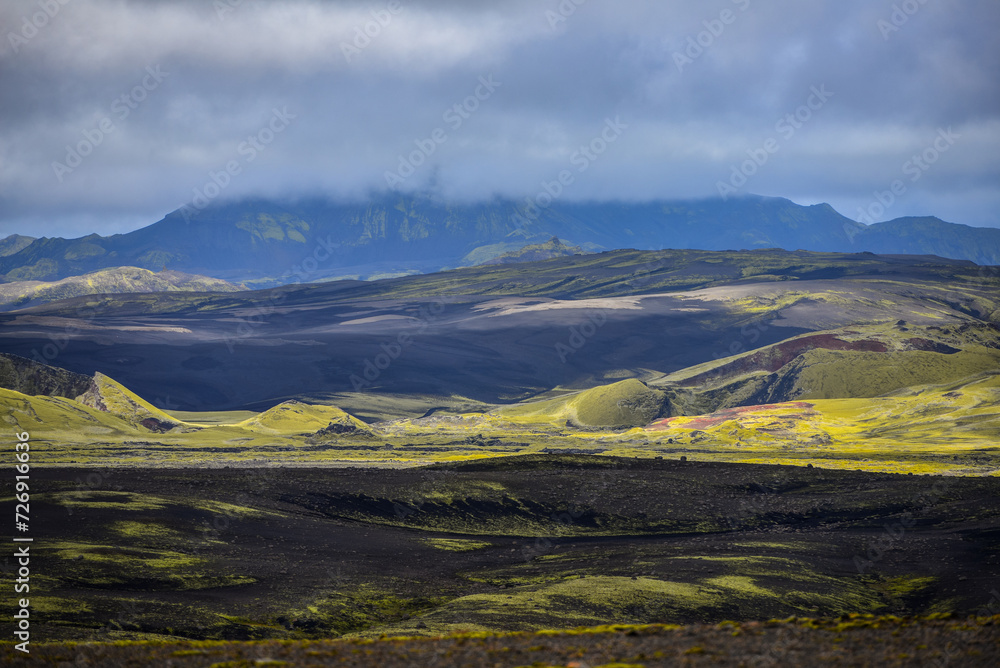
x: 506, y: 333
x: 33, y: 378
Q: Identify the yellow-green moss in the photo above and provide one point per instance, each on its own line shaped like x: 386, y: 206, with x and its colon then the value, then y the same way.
x: 456, y: 544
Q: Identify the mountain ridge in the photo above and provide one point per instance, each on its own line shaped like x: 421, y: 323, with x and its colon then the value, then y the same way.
x: 269, y: 243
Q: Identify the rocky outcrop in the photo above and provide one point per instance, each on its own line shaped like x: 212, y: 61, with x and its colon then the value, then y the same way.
x: 106, y: 394
x: 34, y: 378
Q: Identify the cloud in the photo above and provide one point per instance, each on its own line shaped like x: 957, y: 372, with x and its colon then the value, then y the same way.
x: 698, y: 84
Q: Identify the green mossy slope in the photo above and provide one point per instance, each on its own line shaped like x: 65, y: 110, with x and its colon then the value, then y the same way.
x: 627, y: 403
x: 295, y: 417
x: 40, y: 415
x: 25, y: 292
x: 106, y: 394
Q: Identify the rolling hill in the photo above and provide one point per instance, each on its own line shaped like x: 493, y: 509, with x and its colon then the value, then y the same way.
x: 118, y: 280
x: 530, y: 253
x: 507, y: 333
x: 626, y: 352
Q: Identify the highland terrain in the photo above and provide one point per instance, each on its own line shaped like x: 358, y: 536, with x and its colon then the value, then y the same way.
x: 627, y: 437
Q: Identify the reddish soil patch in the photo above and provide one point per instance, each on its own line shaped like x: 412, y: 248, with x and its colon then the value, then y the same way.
x: 719, y: 417
x: 773, y: 358
x: 159, y: 426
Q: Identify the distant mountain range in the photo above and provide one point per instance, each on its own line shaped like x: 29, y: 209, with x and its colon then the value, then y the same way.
x: 267, y: 243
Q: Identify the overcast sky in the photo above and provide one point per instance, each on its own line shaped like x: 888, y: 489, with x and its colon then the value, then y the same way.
x: 114, y: 113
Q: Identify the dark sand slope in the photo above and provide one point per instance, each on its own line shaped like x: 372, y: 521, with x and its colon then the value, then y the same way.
x: 492, y: 334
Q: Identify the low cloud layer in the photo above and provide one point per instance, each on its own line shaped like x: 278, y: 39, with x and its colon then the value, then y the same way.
x: 115, y: 113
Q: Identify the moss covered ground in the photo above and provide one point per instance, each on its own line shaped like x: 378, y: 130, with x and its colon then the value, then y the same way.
x: 947, y: 428
x: 504, y: 544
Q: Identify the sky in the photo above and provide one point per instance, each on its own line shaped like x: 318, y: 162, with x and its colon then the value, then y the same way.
x: 114, y: 113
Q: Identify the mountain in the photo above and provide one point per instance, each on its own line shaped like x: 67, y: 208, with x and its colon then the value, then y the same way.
x: 929, y: 235
x: 309, y: 240
x: 118, y: 280
x: 14, y: 243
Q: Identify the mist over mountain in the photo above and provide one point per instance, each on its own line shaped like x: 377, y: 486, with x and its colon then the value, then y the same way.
x: 270, y: 242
